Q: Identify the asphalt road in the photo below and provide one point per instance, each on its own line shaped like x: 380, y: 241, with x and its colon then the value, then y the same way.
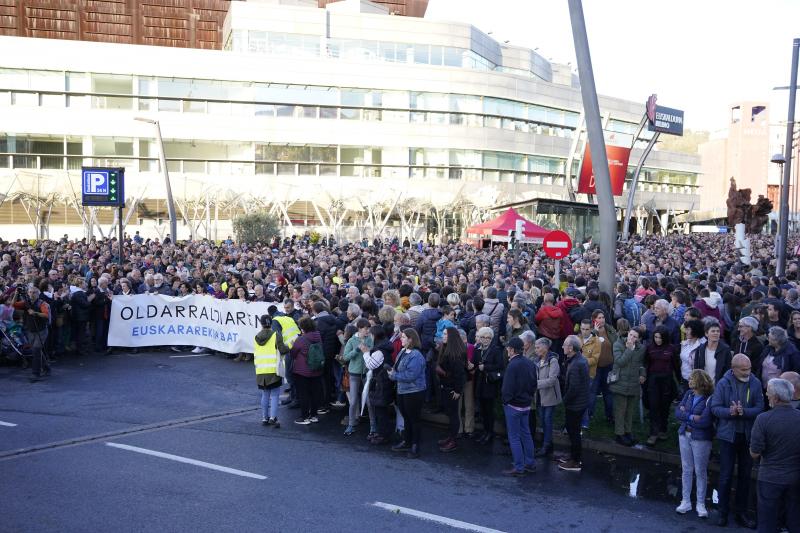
x: 80, y: 458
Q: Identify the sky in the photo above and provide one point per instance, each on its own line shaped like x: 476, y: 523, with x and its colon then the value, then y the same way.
x: 697, y: 55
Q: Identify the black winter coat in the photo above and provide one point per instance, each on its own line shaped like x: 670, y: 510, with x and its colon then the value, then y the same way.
x: 426, y: 327
x: 576, y: 383
x: 99, y: 304
x: 453, y: 374
x: 80, y: 306
x: 381, y: 388
x: 328, y: 325
x: 722, y: 354
x: 492, y: 360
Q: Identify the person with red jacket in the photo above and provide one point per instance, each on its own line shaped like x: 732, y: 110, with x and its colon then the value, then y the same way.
x: 549, y: 321
x: 568, y: 304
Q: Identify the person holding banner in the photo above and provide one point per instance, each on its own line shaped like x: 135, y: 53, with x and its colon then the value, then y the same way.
x: 266, y: 355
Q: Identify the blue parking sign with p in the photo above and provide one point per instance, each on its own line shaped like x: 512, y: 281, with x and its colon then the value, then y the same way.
x: 95, y: 182
x: 101, y: 186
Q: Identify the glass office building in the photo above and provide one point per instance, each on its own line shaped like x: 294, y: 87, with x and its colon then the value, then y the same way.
x: 328, y: 117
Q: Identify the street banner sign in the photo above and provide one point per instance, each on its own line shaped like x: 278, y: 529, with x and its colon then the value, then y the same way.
x: 618, y: 157
x: 102, y: 186
x: 557, y: 244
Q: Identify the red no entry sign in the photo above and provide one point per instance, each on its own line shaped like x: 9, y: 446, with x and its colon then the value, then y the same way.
x: 557, y: 244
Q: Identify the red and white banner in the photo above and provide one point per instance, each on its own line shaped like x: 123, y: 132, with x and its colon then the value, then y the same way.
x: 618, y: 157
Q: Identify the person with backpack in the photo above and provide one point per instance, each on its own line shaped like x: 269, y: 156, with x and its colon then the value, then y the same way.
x: 308, y: 360
x: 549, y: 321
x: 695, y: 437
x: 627, y: 306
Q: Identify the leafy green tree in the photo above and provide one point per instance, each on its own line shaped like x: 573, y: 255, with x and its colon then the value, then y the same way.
x: 255, y: 227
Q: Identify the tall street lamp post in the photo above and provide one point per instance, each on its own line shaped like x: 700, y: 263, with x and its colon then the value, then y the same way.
x: 173, y: 221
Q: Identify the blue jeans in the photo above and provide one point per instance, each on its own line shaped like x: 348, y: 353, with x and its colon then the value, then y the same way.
x: 600, y: 384
x: 338, y: 374
x: 270, y: 398
x: 519, y: 437
x: 729, y: 454
x: 546, y: 414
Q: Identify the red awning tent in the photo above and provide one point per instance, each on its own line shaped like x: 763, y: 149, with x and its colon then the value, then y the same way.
x: 497, y: 229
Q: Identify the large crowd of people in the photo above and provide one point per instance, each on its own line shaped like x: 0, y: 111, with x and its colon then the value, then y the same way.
x: 389, y: 328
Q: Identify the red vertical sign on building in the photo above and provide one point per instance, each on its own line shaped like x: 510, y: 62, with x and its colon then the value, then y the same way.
x: 617, y: 167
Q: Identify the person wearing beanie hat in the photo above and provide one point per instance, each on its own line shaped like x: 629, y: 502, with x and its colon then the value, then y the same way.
x: 747, y: 342
x: 519, y: 388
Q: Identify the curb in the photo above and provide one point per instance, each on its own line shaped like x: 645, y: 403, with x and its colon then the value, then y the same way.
x: 600, y: 446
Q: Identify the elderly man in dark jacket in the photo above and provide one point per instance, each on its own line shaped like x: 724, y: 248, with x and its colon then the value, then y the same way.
x: 736, y: 402
x: 576, y: 399
x: 519, y: 388
x: 775, y: 440
x: 660, y: 317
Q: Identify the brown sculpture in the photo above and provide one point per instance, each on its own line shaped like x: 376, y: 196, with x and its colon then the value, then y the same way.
x: 740, y: 211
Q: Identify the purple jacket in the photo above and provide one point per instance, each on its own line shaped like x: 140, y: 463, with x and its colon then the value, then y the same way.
x: 299, y: 354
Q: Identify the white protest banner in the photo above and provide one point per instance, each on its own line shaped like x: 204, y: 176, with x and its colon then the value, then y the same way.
x: 154, y: 320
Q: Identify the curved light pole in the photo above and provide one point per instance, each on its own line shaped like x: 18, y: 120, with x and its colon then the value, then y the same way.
x: 162, y: 158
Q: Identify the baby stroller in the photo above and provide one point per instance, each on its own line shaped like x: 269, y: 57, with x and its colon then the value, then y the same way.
x: 13, y: 343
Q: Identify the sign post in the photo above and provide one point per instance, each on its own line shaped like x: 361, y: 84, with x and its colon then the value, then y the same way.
x: 105, y: 187
x: 557, y: 245
x: 660, y: 120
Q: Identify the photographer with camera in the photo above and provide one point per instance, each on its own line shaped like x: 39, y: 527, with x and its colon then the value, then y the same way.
x: 35, y: 322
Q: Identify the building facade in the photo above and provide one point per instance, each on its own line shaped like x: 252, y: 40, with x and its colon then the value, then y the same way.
x: 741, y: 151
x: 343, y: 119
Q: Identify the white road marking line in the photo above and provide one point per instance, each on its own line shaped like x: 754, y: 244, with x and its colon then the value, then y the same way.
x: 435, y: 518
x: 190, y: 355
x: 8, y: 424
x: 186, y: 460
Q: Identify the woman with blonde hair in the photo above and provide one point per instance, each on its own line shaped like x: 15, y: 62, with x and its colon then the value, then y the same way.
x: 695, y: 438
x: 391, y: 298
